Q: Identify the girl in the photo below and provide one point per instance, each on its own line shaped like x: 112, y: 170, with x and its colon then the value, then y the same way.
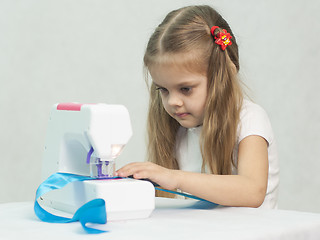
x: 204, y: 138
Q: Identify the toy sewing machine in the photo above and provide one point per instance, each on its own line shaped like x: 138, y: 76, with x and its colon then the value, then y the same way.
x: 85, y: 139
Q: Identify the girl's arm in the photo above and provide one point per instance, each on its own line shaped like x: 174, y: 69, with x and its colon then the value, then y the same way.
x: 247, y: 189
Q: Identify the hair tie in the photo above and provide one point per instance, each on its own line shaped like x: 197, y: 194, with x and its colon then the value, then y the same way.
x: 222, y: 38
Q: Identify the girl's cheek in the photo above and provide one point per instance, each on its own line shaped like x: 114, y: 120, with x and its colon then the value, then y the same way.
x: 165, y: 105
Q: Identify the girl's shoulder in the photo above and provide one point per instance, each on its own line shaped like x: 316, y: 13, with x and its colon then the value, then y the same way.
x: 249, y: 107
x: 251, y: 111
x: 254, y: 121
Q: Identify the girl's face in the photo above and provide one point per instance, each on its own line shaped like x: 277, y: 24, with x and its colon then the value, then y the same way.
x: 183, y: 93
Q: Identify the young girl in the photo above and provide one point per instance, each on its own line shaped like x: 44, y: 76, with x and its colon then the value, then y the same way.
x: 204, y: 138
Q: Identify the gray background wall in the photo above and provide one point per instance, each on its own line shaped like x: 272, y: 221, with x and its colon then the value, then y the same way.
x: 91, y: 51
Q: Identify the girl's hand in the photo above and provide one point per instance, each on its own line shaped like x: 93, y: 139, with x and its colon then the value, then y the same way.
x: 165, y: 177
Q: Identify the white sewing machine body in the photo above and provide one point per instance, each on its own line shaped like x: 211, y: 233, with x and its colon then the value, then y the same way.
x: 85, y: 139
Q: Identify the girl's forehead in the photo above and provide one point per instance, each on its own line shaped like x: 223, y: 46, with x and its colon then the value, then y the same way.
x: 176, y: 76
x: 179, y: 62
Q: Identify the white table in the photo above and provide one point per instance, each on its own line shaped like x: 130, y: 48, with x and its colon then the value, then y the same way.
x: 172, y: 219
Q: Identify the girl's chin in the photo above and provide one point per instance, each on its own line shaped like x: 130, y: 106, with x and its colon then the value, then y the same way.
x: 189, y: 124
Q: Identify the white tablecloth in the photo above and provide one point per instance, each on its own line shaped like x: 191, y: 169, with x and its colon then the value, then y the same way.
x: 172, y: 219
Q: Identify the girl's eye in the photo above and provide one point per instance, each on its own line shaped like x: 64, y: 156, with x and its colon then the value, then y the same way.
x: 186, y: 89
x: 161, y: 89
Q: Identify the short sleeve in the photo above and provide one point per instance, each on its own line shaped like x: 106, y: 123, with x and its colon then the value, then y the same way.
x: 254, y: 121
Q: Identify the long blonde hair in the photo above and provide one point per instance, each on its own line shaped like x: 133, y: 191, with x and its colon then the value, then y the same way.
x: 187, y: 31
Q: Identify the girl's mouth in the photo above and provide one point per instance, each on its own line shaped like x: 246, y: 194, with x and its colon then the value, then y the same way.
x: 181, y: 115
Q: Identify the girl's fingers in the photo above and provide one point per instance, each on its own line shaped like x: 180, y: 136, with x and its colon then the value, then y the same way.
x: 130, y: 169
x: 151, y: 171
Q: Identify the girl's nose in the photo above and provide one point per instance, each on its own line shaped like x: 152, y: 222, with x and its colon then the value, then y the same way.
x: 174, y: 100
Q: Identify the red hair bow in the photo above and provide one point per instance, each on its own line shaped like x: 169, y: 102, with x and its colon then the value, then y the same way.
x: 222, y: 38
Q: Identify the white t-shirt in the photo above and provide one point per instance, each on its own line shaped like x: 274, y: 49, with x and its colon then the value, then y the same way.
x: 253, y: 121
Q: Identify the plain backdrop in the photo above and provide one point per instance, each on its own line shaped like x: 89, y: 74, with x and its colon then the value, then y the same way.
x: 91, y: 51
